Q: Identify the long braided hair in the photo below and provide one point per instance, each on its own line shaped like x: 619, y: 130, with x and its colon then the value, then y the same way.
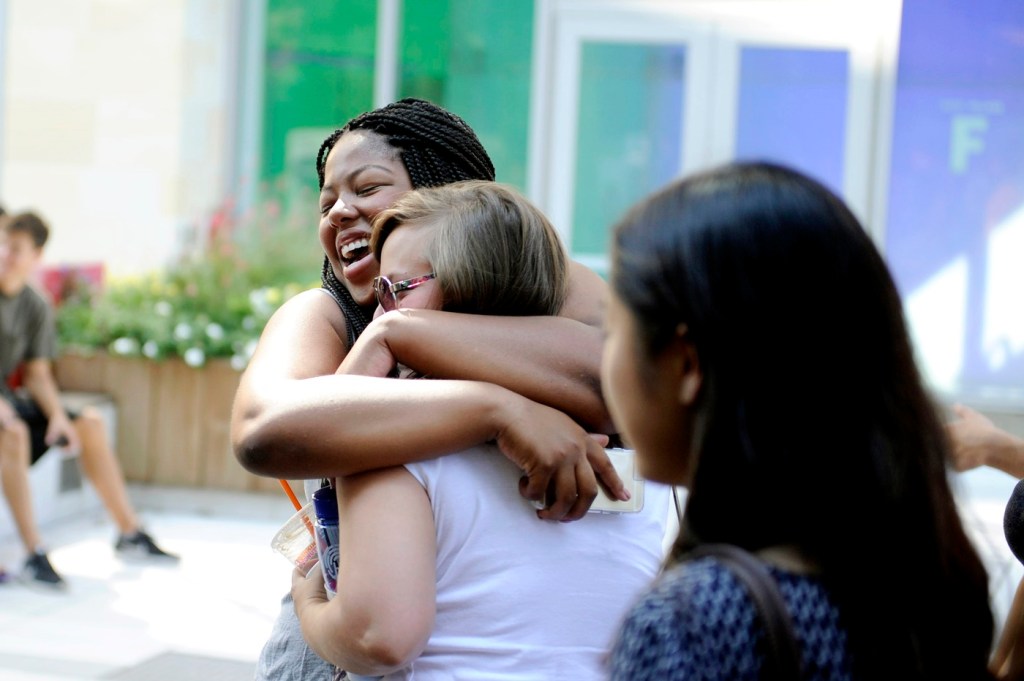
x: 436, y: 147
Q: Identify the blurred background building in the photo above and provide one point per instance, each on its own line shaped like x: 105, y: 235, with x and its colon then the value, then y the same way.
x: 133, y: 125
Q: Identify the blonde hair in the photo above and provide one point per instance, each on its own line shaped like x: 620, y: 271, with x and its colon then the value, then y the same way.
x: 493, y: 251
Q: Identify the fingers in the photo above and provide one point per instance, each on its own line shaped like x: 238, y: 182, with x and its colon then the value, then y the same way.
x: 586, y: 491
x: 575, y: 488
x: 563, y: 493
x: 308, y: 584
x: 606, y: 473
x: 308, y: 567
x: 600, y: 438
x: 534, y: 484
x: 958, y: 409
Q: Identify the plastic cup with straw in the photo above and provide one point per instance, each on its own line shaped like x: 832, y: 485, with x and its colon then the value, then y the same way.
x: 296, y: 540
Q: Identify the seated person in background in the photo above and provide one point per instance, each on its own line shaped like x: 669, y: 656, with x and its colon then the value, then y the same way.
x: 33, y: 419
x: 444, y: 570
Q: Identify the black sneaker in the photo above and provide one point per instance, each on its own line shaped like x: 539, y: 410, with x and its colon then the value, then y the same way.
x: 141, y: 546
x: 39, y: 572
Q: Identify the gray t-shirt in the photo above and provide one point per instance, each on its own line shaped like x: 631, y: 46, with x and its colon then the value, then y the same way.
x: 27, y: 331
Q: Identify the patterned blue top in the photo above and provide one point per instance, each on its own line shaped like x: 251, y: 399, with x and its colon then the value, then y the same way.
x: 697, y: 623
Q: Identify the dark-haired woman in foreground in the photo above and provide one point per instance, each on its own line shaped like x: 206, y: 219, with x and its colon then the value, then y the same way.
x: 757, y: 354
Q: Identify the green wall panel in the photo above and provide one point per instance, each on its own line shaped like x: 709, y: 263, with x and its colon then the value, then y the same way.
x: 473, y: 57
x: 470, y: 56
x: 318, y: 74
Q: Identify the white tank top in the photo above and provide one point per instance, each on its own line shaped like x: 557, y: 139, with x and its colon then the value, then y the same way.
x: 521, y: 598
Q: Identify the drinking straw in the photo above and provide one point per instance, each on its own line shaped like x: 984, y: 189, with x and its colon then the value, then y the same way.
x: 296, y: 504
x: 291, y: 494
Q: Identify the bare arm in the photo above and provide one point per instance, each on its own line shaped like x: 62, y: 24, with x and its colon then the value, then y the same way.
x: 1008, y: 660
x: 976, y: 441
x: 293, y: 418
x: 41, y: 385
x: 383, y: 613
x: 553, y: 360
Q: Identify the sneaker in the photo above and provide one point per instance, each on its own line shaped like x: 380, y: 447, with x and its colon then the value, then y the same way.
x: 39, y: 572
x: 140, y: 546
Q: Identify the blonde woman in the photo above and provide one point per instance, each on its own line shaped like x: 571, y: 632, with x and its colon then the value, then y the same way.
x: 444, y: 570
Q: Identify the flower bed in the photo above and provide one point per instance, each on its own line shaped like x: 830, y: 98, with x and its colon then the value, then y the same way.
x: 169, y: 346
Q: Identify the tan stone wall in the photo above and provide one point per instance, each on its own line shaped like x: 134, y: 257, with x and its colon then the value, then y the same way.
x: 116, y: 122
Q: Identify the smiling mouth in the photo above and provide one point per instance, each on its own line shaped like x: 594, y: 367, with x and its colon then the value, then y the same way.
x: 354, y: 251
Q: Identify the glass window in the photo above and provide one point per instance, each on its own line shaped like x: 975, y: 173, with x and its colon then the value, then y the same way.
x: 318, y: 74
x: 792, y: 109
x: 629, y: 135
x: 955, y: 232
x: 473, y: 57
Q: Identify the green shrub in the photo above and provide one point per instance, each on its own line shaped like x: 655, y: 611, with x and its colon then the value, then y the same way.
x: 213, y: 302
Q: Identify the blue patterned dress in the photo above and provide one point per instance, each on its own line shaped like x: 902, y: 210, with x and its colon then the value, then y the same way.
x: 697, y: 623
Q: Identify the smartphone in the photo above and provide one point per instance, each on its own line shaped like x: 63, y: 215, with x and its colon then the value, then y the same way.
x: 624, y: 461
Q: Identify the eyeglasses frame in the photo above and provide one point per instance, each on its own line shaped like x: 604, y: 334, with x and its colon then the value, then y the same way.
x: 397, y: 287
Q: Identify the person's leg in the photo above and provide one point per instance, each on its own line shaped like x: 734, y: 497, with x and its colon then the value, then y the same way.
x: 15, y: 449
x: 14, y: 462
x: 101, y: 467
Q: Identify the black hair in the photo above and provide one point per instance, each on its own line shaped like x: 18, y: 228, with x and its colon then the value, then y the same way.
x: 813, y: 426
x: 31, y: 224
x: 436, y: 147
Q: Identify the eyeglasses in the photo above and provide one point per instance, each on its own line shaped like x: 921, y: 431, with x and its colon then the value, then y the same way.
x: 387, y: 293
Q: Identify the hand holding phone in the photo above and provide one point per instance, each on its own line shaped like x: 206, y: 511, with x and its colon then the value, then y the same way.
x: 624, y: 461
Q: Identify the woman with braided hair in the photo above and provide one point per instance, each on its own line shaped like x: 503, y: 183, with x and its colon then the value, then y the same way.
x: 508, y: 380
x: 444, y: 572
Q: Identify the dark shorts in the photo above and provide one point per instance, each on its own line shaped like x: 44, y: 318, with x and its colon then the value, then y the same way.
x: 35, y: 419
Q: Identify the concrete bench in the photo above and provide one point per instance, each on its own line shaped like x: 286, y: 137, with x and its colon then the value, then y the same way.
x: 58, y: 489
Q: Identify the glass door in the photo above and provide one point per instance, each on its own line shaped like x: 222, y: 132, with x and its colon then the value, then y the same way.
x: 629, y: 95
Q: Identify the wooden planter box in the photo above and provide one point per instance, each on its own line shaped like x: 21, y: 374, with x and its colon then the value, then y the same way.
x: 173, y: 421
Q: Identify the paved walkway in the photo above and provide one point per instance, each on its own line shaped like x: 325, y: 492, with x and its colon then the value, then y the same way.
x: 208, y: 617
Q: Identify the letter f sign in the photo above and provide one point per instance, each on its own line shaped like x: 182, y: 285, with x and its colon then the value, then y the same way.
x: 966, y: 139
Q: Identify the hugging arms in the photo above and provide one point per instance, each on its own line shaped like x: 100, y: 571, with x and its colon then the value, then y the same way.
x: 294, y: 418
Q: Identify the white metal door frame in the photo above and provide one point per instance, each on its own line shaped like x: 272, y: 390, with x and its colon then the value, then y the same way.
x: 714, y: 32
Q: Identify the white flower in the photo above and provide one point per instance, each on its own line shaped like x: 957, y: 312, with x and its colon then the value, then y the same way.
x: 163, y: 308
x: 214, y: 331
x: 260, y: 302
x: 248, y: 322
x: 182, y: 331
x: 125, y: 346
x: 238, y: 362
x: 194, y: 357
x: 151, y: 349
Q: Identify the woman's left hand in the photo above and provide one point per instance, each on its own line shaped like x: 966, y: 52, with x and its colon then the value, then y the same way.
x: 308, y: 586
x: 371, y: 355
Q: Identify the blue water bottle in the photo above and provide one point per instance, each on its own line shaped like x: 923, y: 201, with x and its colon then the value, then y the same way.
x: 325, y: 503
